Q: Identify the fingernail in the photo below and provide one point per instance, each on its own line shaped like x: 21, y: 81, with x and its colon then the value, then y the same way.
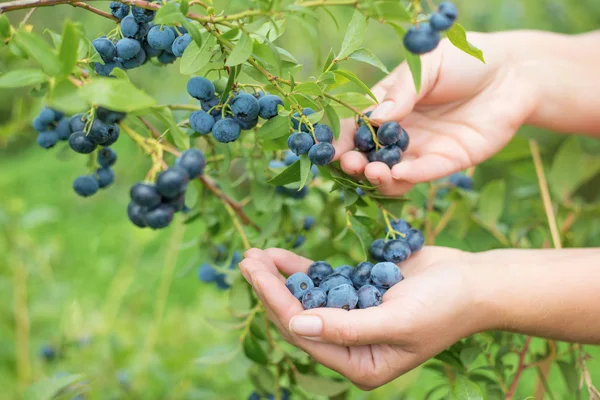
x: 383, y: 110
x: 397, y: 172
x: 306, y: 325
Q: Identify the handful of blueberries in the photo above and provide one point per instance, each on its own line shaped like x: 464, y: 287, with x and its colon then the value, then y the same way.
x: 317, y: 143
x: 391, y: 142
x: 425, y: 37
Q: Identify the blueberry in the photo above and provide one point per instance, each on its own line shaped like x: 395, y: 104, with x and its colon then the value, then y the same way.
x: 177, y: 203
x: 160, y: 217
x: 290, y: 157
x: 275, y: 164
x: 107, y: 157
x: 372, y: 155
x: 180, y: 44
x: 107, y: 69
x: 142, y: 15
x: 166, y: 57
x: 46, y: 116
x: 136, y: 61
x: 254, y: 396
x: 388, y: 133
x: 360, y: 192
x: 142, y: 34
x: 235, y: 260
x: 245, y: 107
x: 461, y: 180
x: 247, y: 125
x: 172, y: 182
x: 118, y: 10
x: 300, y: 143
x: 308, y: 223
x: 210, y: 106
x: 296, y: 120
x: 415, y: 240
x: 193, y: 162
x: 334, y: 280
x: 360, y: 121
x: 129, y: 27
x: 440, y: 22
x: 77, y: 122
x: 259, y: 95
x: 314, y: 298
x: 381, y: 290
x: 421, y: 39
x: 345, y: 270
x: 293, y: 193
x: 206, y: 273
x: 400, y: 225
x: 226, y: 130
x: 109, y: 116
x: 105, y: 48
x: 85, y: 185
x: 321, y: 153
x: 100, y: 132
x: 404, y: 140
x: 299, y: 241
x: 376, y: 250
x: 449, y: 10
x: 48, y: 353
x: 369, y: 296
x: 80, y: 143
x: 47, y: 139
x: 105, y: 176
x: 386, y: 274
x: 201, y: 88
x: 63, y: 129
x: 318, y: 271
x: 40, y: 126
x: 160, y: 38
x: 221, y: 281
x: 298, y: 284
x: 396, y: 251
x: 137, y: 215
x: 113, y: 137
x: 363, y: 139
x: 323, y: 133
x: 343, y: 296
x: 361, y: 274
x: 268, y: 106
x: 127, y: 48
x: 390, y: 155
x: 150, y: 52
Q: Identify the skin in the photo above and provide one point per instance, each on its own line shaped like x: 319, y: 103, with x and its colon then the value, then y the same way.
x: 466, y: 112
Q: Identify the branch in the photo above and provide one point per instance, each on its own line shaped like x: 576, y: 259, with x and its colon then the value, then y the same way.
x: 23, y: 4
x: 520, y: 368
x: 95, y: 10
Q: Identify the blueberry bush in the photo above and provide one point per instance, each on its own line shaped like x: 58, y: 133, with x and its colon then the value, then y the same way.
x: 238, y: 153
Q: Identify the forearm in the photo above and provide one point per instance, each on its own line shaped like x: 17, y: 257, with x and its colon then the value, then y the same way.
x: 548, y: 293
x: 563, y: 70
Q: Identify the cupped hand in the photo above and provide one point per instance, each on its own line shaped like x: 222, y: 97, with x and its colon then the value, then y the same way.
x: 465, y: 112
x: 422, y: 315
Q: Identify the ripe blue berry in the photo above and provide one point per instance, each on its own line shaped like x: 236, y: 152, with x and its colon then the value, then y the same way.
x: 210, y: 106
x: 142, y: 15
x: 372, y: 155
x: 369, y: 296
x: 389, y: 133
x: 114, y: 136
x: 201, y: 88
x: 77, y: 122
x: 361, y: 274
x: 151, y: 52
x: 105, y: 48
x: 245, y: 107
x: 47, y: 139
x: 308, y: 223
x: 400, y: 225
x: 440, y: 22
x: 136, y: 61
x: 296, y: 120
x: 160, y: 217
x: 105, y: 176
x: 247, y: 125
x: 166, y: 57
x: 128, y: 48
x: 85, y: 185
x: 376, y: 250
x: 275, y: 164
x: 177, y: 203
x: 382, y: 290
x: 415, y: 240
x: 300, y: 143
x: 226, y: 130
x: 461, y: 180
x: 290, y: 157
x: 118, y: 10
x: 390, y: 155
x: 142, y: 33
x: 343, y: 296
x: 47, y: 116
x: 299, y: 241
x: 221, y: 281
x: 268, y: 106
x: 360, y: 121
x: 107, y: 69
x: 160, y: 38
x: 193, y: 162
x: 206, y: 273
x: 386, y: 274
x: 137, y: 215
x: 180, y: 44
x: 201, y: 122
x: 396, y: 251
x: 100, y: 132
x: 323, y: 133
x: 107, y: 157
x: 172, y: 182
x: 404, y: 140
x: 129, y: 27
x: 345, y: 270
x: 48, y: 353
x: 449, y: 10
x: 80, y: 143
x: 421, y: 39
x: 334, y: 280
x: 63, y: 129
x: 321, y: 153
x: 40, y: 126
x: 109, y: 116
x: 298, y: 284
x: 363, y: 139
x: 314, y: 298
x: 318, y: 271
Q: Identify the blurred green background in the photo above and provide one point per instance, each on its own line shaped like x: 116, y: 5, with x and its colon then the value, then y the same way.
x: 123, y: 306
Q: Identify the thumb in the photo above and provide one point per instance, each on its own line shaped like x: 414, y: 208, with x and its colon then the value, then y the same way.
x: 344, y: 328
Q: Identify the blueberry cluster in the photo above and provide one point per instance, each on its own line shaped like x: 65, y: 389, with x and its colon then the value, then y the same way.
x: 298, y: 240
x: 405, y: 241
x: 315, y: 140
x: 208, y: 273
x: 226, y: 121
x: 458, y: 180
x: 345, y: 287
x: 384, y: 144
x: 51, y: 126
x: 154, y: 205
x: 141, y: 40
x: 425, y: 37
x: 285, y: 395
x: 288, y: 160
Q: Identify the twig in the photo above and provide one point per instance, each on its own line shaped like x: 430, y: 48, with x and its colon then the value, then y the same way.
x: 101, y: 13
x: 27, y: 16
x: 520, y: 368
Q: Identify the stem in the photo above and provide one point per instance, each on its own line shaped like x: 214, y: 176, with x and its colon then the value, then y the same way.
x: 238, y: 226
x: 185, y: 107
x: 324, y: 3
x: 95, y: 10
x: 520, y: 368
x: 22, y: 325
x: 23, y: 4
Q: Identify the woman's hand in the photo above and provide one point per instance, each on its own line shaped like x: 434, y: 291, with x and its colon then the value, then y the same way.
x: 422, y: 315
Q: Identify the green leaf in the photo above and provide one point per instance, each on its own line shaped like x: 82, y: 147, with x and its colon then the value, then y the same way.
x: 289, y: 175
x: 265, y: 53
x: 242, y: 50
x: 362, y: 233
x: 230, y: 81
x: 491, y: 202
x: 274, y: 128
x: 570, y: 374
x: 262, y: 379
x: 333, y: 119
x: 116, y: 94
x: 195, y: 58
x: 354, y: 35
x: 448, y: 357
x: 165, y: 115
x: 458, y: 37
x: 37, y: 48
x: 367, y: 56
x: 22, y: 77
x: 387, y: 10
x: 239, y: 297
x: 185, y: 6
x: 469, y: 354
x: 169, y: 14
x: 327, y: 78
x: 328, y: 60
x: 4, y: 27
x: 321, y: 386
x: 218, y: 355
x: 69, y: 47
x: 254, y: 350
x: 315, y: 117
x: 305, y: 165
x: 66, y: 97
x: 309, y: 88
x: 194, y: 31
x: 353, y: 78
x: 47, y: 388
x: 464, y: 389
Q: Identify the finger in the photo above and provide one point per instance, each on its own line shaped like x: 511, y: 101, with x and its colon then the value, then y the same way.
x: 260, y: 255
x: 250, y: 265
x: 382, y: 87
x: 379, y: 174
x: 353, y: 163
x: 288, y: 262
x: 345, y: 142
x: 426, y: 168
